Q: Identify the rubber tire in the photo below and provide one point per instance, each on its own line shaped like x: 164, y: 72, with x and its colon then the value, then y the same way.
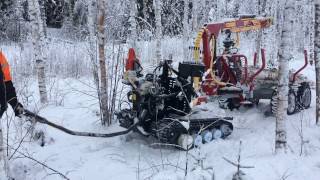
x: 226, y: 130
x: 231, y: 104
x: 274, y: 105
x: 166, y: 131
x: 292, y: 95
x: 306, y: 89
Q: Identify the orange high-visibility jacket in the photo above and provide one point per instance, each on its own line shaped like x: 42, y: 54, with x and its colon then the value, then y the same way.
x: 5, y: 68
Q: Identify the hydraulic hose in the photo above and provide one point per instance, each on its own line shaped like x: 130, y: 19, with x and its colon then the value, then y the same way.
x: 43, y: 120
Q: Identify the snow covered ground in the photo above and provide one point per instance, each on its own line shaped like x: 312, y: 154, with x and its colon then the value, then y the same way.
x: 132, y: 157
x: 135, y: 157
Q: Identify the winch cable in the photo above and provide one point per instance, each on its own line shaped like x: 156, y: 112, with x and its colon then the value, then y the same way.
x: 43, y: 120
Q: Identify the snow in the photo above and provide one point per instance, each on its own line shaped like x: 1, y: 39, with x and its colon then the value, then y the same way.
x: 135, y: 157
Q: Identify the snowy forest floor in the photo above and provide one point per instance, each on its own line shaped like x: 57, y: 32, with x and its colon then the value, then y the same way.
x: 134, y: 157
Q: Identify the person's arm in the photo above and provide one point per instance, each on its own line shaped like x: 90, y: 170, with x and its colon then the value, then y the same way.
x: 3, y: 102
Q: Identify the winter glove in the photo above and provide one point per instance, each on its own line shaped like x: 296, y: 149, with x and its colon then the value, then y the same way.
x: 18, y: 111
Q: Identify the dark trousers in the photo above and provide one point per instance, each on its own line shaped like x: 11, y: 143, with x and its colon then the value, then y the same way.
x: 9, y: 95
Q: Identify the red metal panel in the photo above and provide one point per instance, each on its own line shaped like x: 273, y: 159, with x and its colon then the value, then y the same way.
x: 303, y: 67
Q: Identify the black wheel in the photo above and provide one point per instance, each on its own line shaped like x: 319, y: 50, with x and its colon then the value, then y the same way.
x: 125, y: 118
x: 231, y: 103
x: 167, y: 131
x: 304, y: 96
x: 292, y: 103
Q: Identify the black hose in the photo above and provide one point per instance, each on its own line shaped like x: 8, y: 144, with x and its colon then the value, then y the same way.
x: 43, y: 120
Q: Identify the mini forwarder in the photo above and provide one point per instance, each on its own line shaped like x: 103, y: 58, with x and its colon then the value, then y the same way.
x: 161, y: 102
x: 231, y: 78
x: 161, y: 107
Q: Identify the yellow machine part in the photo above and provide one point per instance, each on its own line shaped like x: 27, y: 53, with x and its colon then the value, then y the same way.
x: 196, y: 56
x: 249, y: 24
x: 197, y: 43
x: 212, y: 73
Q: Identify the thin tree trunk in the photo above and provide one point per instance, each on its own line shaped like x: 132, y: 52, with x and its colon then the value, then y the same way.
x: 194, y: 15
x: 19, y: 11
x: 214, y: 15
x: 185, y: 29
x: 93, y: 47
x: 317, y: 58
x: 102, y: 62
x: 158, y: 7
x: 283, y: 81
x: 261, y: 7
x: 312, y: 30
x: 133, y: 25
x: 43, y: 16
x: 38, y: 38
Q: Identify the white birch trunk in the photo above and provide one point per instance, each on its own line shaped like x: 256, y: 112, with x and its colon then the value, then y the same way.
x: 274, y: 34
x: 158, y: 7
x: 133, y: 25
x: 102, y: 62
x: 194, y: 15
x: 93, y: 45
x: 19, y: 12
x: 185, y: 29
x: 261, y: 7
x: 43, y: 16
x: 312, y: 30
x: 214, y: 14
x: 92, y: 32
x: 283, y: 81
x: 38, y: 38
x: 317, y: 58
x: 299, y: 24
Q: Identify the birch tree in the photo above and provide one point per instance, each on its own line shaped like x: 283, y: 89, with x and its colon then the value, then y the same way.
x: 158, y: 7
x: 317, y: 58
x: 185, y: 28
x: 195, y: 15
x: 38, y: 40
x: 312, y: 30
x: 261, y: 11
x: 102, y: 63
x: 19, y: 17
x: 283, y: 80
x: 133, y: 25
x: 93, y: 46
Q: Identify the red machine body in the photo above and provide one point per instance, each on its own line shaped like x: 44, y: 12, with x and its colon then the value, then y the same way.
x: 130, y: 60
x: 220, y: 68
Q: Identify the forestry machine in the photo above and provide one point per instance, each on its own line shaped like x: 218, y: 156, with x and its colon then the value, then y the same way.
x: 161, y: 102
x: 160, y: 105
x: 229, y: 76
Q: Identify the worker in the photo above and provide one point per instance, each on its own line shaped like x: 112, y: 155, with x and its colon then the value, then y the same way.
x: 133, y: 63
x: 7, y: 90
